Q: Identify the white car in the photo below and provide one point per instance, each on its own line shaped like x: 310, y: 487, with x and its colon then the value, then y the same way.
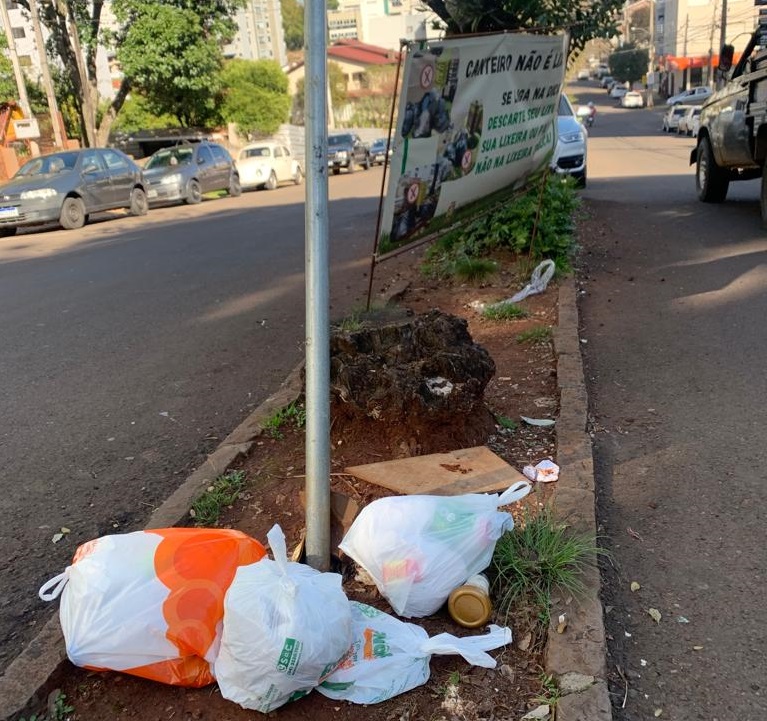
x: 693, y: 96
x: 672, y: 117
x: 570, y: 153
x: 266, y: 165
x: 632, y: 99
x: 583, y: 74
x: 618, y: 91
x: 685, y: 125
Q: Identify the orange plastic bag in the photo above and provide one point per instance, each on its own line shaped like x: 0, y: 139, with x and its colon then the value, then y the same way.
x: 150, y: 603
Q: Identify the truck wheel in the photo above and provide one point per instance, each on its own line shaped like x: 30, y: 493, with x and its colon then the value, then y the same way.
x: 711, y: 180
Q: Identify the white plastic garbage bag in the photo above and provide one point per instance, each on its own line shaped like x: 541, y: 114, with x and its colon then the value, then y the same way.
x: 150, y: 603
x: 389, y: 656
x: 286, y: 627
x: 418, y: 549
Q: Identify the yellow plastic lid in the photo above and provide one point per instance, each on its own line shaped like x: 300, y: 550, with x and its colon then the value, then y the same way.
x: 469, y: 606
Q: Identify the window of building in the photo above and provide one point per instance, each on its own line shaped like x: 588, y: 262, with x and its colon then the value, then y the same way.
x: 25, y: 61
x: 11, y: 4
x: 18, y: 32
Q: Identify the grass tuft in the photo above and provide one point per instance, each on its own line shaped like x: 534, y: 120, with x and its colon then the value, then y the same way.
x: 473, y: 270
x: 539, y: 334
x: 503, y: 311
x: 222, y: 493
x: 294, y: 413
x: 505, y: 422
x: 538, y: 557
x: 60, y: 711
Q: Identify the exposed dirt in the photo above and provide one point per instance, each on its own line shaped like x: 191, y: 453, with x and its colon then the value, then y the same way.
x: 524, y: 384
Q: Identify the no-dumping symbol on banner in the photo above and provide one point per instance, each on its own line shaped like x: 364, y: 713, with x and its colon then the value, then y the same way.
x: 466, y: 160
x: 427, y: 76
x: 412, y: 193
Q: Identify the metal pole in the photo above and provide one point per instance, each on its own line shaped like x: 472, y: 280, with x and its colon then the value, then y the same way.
x: 723, y: 25
x: 317, y: 290
x: 53, y: 106
x: 20, y: 84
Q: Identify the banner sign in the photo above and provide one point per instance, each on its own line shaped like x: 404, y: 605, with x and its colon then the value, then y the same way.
x: 476, y: 115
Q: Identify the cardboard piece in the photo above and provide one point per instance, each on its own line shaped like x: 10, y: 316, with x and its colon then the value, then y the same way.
x: 468, y: 470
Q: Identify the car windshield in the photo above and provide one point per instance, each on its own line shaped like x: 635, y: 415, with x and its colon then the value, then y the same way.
x: 262, y: 152
x: 339, y: 140
x: 564, y: 107
x: 49, y: 165
x: 170, y: 157
x: 680, y: 111
x: 379, y: 144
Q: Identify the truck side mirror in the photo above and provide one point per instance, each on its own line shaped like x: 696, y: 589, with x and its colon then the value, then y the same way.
x: 726, y: 57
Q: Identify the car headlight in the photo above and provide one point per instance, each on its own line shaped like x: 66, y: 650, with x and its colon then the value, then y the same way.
x: 39, y: 194
x: 171, y: 179
x: 342, y: 154
x: 574, y: 137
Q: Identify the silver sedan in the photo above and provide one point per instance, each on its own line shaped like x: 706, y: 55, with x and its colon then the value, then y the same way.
x: 67, y: 187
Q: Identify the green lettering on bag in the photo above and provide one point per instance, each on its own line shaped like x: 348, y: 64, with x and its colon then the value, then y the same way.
x: 289, y: 656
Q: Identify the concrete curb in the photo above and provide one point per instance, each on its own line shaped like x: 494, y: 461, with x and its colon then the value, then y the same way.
x: 581, y: 650
x: 38, y: 668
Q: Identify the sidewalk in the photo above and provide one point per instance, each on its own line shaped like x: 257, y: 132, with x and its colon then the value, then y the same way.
x: 529, y: 378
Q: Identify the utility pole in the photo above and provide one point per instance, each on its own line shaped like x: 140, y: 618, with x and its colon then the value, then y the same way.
x: 711, y: 48
x: 723, y: 25
x: 685, y: 74
x: 20, y: 84
x: 53, y: 106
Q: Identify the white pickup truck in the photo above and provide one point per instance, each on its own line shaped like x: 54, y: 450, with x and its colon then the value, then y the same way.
x: 732, y: 139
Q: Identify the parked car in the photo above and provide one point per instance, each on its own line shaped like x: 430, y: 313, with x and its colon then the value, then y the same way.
x: 266, y: 165
x: 583, y: 74
x: 695, y: 125
x: 606, y: 80
x: 68, y: 186
x: 602, y: 70
x: 684, y: 127
x: 618, y: 91
x: 632, y: 99
x: 693, y: 96
x: 189, y: 170
x: 378, y: 151
x: 570, y: 153
x: 346, y: 150
x: 672, y: 117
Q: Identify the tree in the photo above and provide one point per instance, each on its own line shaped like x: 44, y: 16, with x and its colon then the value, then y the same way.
x: 254, y: 95
x: 629, y: 63
x: 586, y: 20
x: 293, y: 23
x: 338, y: 94
x: 136, y: 114
x: 76, y: 31
x: 173, y: 61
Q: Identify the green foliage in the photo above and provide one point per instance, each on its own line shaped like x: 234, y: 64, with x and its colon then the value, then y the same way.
x: 8, y: 89
x: 539, y: 556
x: 136, y: 114
x: 550, y: 693
x: 294, y: 413
x: 503, y: 311
x: 222, y: 493
x: 173, y: 60
x: 539, y: 334
x: 629, y: 63
x: 473, y: 270
x: 61, y: 710
x: 594, y: 19
x: 338, y: 94
x: 510, y: 226
x: 293, y: 23
x: 255, y: 95
x: 506, y: 423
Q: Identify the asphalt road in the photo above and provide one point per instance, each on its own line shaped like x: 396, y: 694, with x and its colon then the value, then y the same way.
x: 130, y: 348
x: 672, y: 309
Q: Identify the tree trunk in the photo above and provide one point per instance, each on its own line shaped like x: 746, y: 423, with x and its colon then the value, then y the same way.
x: 110, y: 115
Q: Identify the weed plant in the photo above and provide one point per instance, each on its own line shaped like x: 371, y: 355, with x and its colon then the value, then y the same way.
x: 538, y: 557
x: 294, y: 413
x: 222, y: 493
x: 510, y: 226
x: 539, y: 334
x: 504, y: 311
x: 473, y: 270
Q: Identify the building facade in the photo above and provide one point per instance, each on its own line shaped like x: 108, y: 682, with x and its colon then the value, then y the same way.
x: 380, y: 22
x: 260, y: 35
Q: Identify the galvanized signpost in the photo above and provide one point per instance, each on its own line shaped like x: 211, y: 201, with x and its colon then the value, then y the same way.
x: 317, y: 290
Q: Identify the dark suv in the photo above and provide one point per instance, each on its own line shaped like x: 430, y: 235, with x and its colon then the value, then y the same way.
x: 346, y: 150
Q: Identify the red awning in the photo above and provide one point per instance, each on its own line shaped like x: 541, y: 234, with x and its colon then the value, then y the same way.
x: 681, y: 62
